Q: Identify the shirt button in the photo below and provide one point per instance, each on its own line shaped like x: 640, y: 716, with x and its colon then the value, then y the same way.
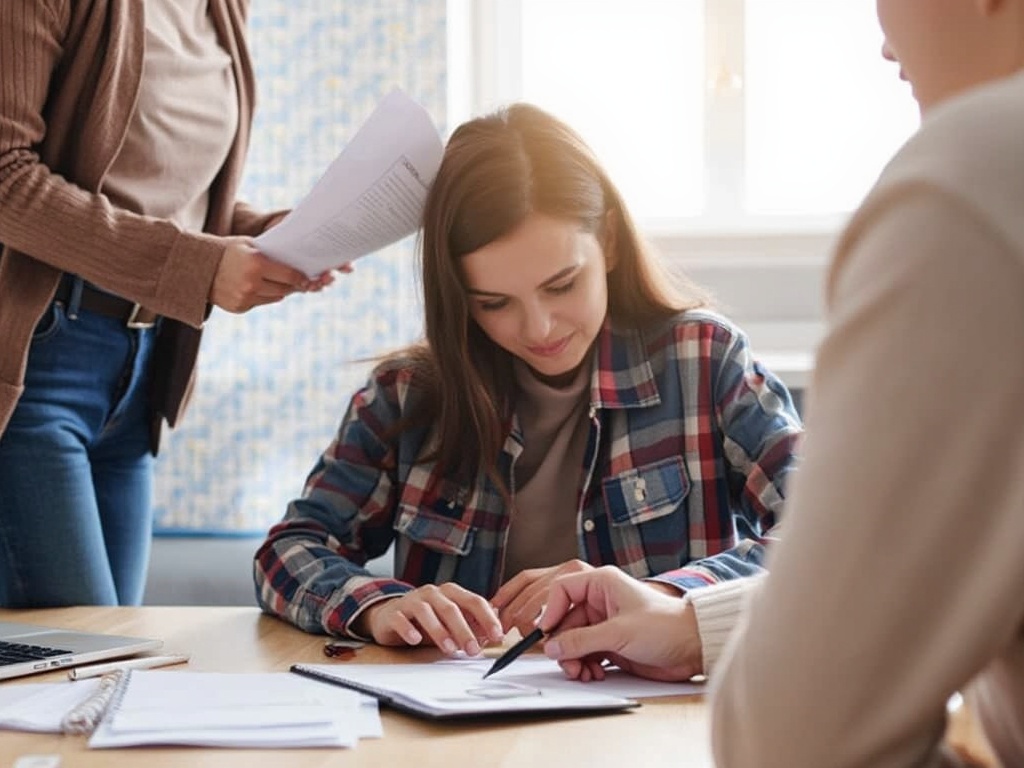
x: 588, y: 526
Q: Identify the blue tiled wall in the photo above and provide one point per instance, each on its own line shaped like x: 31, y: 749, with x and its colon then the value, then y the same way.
x: 274, y: 383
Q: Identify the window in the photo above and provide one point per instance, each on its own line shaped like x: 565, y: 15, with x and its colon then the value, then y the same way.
x: 719, y: 115
x: 741, y: 132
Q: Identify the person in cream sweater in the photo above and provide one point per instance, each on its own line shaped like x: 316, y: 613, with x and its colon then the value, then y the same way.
x: 898, y: 579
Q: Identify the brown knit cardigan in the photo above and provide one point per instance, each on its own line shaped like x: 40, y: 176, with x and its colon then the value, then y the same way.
x: 69, y: 79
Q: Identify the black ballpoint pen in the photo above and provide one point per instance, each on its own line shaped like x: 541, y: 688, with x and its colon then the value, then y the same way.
x: 515, y: 652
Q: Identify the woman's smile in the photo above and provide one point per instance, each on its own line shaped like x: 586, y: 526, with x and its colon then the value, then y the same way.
x: 551, y: 350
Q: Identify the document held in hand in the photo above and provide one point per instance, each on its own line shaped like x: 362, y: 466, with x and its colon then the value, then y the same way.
x: 372, y: 195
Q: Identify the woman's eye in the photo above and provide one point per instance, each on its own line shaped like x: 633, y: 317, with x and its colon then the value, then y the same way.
x: 558, y: 290
x: 492, y: 306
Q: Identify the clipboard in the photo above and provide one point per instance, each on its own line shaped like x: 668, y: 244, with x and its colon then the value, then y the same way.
x: 450, y: 691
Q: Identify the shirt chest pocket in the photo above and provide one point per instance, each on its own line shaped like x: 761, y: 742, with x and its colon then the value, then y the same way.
x: 646, y: 493
x: 447, y: 535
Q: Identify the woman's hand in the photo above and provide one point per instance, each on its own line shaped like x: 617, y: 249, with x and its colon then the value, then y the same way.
x: 448, y: 616
x: 605, y: 615
x: 520, y: 600
x: 246, y: 278
x: 325, y: 278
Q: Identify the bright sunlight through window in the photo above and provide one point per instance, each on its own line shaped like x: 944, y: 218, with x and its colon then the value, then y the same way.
x: 714, y: 112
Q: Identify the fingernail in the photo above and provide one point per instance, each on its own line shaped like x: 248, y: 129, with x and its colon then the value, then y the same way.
x: 415, y: 638
x: 472, y: 648
x: 449, y: 646
x: 553, y: 649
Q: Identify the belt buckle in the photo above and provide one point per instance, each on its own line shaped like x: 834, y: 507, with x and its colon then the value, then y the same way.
x: 133, y: 321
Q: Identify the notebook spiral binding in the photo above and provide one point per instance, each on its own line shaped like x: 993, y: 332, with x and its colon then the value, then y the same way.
x: 84, y: 717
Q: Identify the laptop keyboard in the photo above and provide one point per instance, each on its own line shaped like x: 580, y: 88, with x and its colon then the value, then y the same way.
x: 17, y: 653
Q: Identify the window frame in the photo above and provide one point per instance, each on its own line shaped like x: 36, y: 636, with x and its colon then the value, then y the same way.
x: 767, y: 271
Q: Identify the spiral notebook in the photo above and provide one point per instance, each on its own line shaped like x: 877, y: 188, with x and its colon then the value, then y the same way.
x: 453, y: 690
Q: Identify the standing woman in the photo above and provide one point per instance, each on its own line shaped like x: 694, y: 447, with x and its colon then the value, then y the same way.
x: 567, y: 409
x: 123, y: 130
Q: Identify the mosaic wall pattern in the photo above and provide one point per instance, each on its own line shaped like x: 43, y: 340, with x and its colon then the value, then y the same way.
x: 274, y: 383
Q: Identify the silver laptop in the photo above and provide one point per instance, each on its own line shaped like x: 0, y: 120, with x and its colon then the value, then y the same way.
x: 26, y: 649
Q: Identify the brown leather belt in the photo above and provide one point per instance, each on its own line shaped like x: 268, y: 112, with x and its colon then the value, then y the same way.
x: 94, y: 300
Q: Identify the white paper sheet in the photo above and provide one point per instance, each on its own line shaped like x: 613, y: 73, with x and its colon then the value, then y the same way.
x: 227, y: 710
x: 541, y: 672
x: 372, y: 195
x: 532, y: 671
x: 456, y: 686
x: 453, y: 690
x: 367, y: 723
x: 40, y: 707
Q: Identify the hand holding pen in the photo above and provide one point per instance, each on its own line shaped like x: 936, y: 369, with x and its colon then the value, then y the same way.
x: 605, y: 615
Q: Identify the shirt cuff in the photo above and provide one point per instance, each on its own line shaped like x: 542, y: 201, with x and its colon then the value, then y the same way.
x: 718, y: 608
x: 360, y: 593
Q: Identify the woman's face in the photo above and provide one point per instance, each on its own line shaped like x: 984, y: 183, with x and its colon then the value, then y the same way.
x: 540, y: 293
x: 945, y: 47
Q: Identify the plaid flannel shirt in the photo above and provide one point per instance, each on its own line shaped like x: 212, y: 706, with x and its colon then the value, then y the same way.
x: 690, y: 445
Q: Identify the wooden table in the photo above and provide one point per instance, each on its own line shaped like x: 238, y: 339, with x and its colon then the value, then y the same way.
x: 663, y: 732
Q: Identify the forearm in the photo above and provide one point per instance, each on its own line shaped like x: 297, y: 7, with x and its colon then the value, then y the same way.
x: 143, y: 259
x: 744, y: 560
x: 157, y: 265
x: 310, y: 570
x: 301, y: 579
x: 718, y: 610
x: 248, y: 221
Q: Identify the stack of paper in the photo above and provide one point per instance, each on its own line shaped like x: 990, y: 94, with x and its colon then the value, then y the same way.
x: 215, y: 709
x: 203, y: 709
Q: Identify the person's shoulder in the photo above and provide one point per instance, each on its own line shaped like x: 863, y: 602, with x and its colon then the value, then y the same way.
x: 693, y: 323
x: 963, y: 168
x: 969, y: 150
x: 395, y: 367
x: 400, y: 379
x: 694, y: 333
x: 979, y: 130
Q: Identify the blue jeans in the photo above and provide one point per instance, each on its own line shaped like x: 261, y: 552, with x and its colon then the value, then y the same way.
x: 76, y: 468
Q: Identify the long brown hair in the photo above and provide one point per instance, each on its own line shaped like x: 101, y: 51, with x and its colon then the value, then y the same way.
x: 495, y: 171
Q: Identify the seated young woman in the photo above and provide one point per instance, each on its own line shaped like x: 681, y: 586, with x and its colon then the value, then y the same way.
x: 570, y: 407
